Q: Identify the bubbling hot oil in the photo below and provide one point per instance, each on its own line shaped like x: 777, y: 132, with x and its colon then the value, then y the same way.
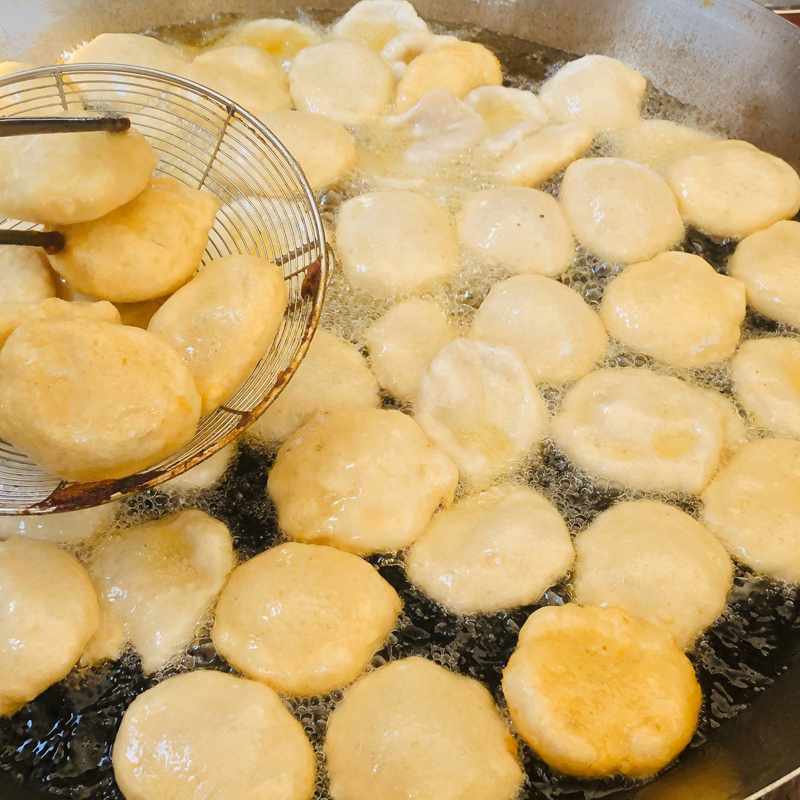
x: 61, y: 743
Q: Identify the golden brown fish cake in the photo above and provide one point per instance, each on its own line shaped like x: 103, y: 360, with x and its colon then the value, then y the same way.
x: 67, y: 178
x: 14, y: 315
x: 597, y: 693
x: 458, y: 67
x: 146, y: 249
x: 283, y: 39
x: 223, y: 322
x: 24, y: 275
x: 92, y: 400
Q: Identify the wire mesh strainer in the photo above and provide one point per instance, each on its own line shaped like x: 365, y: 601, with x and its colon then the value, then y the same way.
x: 203, y: 140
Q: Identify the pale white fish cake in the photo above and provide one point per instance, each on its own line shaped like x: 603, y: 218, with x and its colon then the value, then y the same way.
x: 247, y: 75
x: 332, y: 373
x: 766, y: 381
x: 403, y: 342
x: 282, y: 39
x: 479, y: 404
x: 395, y: 242
x: 640, y: 429
x: 731, y: 189
x: 50, y: 612
x: 156, y: 582
x: 656, y: 143
x: 62, y: 179
x: 620, y: 211
x: 598, y: 693
x: 13, y: 315
x: 145, y: 249
x: 400, y: 51
x: 24, y: 275
x: 375, y: 23
x: 126, y: 49
x: 414, y: 729
x: 209, y: 734
x: 537, y: 157
x: 519, y: 228
x: 734, y: 430
x: 550, y: 325
x: 676, y: 308
x: 68, y: 528
x: 458, y: 67
x: 510, y: 114
x: 596, y: 91
x: 495, y: 550
x: 360, y: 479
x: 656, y: 563
x: 768, y: 262
x: 344, y: 80
x: 92, y: 400
x: 753, y: 506
x: 303, y: 618
x: 223, y: 322
x: 133, y: 49
x: 325, y: 150
x: 205, y: 474
x: 441, y: 127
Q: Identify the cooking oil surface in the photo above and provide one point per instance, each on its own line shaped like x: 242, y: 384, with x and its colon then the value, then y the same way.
x: 61, y: 743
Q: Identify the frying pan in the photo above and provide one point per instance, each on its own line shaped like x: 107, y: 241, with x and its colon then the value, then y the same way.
x: 732, y: 58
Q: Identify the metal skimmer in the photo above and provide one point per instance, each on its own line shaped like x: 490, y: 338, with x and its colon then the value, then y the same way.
x: 203, y: 140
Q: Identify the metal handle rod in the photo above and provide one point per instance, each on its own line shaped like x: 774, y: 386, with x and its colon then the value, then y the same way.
x: 28, y: 126
x: 51, y: 241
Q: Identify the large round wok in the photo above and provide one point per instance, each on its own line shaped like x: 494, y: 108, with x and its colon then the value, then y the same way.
x: 732, y: 58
